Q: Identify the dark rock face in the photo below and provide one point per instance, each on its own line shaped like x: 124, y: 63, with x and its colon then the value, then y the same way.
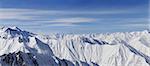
x: 94, y: 41
x: 18, y: 59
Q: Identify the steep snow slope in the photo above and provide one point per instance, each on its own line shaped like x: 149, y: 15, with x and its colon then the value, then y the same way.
x: 22, y: 48
x: 18, y: 48
x: 14, y: 40
x: 116, y: 49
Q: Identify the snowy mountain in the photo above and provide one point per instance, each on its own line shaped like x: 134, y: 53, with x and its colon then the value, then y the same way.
x: 23, y: 48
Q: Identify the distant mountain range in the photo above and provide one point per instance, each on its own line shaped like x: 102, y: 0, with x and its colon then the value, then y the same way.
x: 23, y: 48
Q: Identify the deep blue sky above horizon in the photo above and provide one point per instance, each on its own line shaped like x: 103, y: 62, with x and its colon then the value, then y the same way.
x: 75, y: 16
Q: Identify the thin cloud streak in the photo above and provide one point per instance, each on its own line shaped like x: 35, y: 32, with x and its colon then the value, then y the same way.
x: 51, y: 19
x: 73, y: 20
x: 134, y: 25
x: 31, y: 14
x: 67, y: 21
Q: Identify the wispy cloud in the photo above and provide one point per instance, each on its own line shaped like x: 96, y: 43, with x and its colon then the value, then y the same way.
x: 134, y: 25
x: 73, y: 20
x: 77, y: 20
x: 42, y: 16
x: 68, y: 21
x: 32, y: 14
x: 14, y: 14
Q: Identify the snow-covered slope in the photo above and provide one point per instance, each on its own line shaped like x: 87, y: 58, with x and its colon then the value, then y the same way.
x: 18, y: 48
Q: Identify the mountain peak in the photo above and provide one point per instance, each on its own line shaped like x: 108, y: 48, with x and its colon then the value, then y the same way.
x: 10, y: 32
x: 11, y: 28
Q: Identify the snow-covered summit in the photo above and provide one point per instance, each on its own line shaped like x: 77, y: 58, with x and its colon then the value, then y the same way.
x: 14, y: 40
x: 19, y: 47
x: 13, y: 31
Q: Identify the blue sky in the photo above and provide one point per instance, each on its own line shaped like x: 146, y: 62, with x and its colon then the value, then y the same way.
x: 75, y: 16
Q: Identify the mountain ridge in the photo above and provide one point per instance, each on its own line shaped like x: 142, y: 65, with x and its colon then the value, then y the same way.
x: 114, y: 49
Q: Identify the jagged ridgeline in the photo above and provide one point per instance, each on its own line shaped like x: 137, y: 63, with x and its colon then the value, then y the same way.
x: 23, y: 48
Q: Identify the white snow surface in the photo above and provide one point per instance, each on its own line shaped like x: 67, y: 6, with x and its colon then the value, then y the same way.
x: 110, y: 49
